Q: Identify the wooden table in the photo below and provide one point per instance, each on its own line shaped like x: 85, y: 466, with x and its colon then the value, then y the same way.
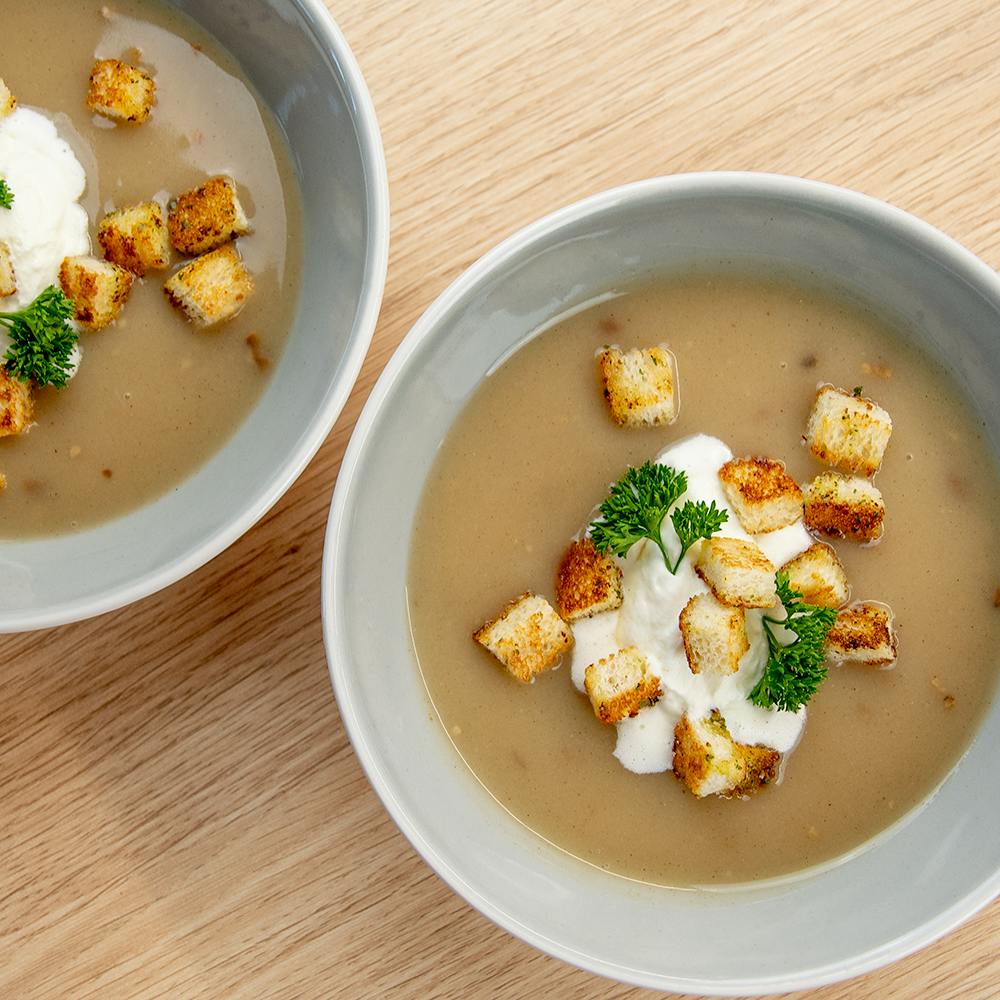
x: 181, y: 814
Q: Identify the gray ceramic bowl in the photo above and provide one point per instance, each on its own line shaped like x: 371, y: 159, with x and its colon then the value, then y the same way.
x: 913, y: 883
x: 296, y: 57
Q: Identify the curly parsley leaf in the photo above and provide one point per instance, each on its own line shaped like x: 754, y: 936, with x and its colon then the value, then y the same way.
x: 694, y: 521
x: 41, y: 339
x: 637, y: 505
x: 793, y: 671
x: 6, y: 195
x: 635, y: 509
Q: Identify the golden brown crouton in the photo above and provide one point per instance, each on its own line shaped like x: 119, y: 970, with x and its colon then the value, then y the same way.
x: 97, y: 288
x: 587, y: 582
x: 136, y: 238
x: 863, y: 633
x: 715, y: 635
x: 8, y: 102
x: 207, y: 217
x: 526, y: 637
x: 844, y: 507
x: 8, y: 280
x: 848, y: 431
x: 819, y: 576
x: 709, y: 762
x: 212, y: 288
x: 16, y: 409
x: 620, y: 684
x: 762, y: 495
x: 640, y: 385
x: 120, y: 92
x: 737, y: 573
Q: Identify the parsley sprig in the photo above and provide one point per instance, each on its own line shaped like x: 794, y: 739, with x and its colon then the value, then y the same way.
x: 637, y: 506
x: 41, y: 339
x: 6, y: 195
x: 793, y: 671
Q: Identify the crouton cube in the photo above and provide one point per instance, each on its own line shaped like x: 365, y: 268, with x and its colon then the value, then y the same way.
x: 207, y: 217
x: 120, y: 92
x: 710, y: 762
x: 848, y: 431
x: 136, y: 238
x: 97, y: 288
x: 527, y: 636
x: 587, y: 582
x: 620, y: 684
x: 16, y: 408
x: 762, y: 495
x: 8, y: 102
x: 211, y: 288
x: 715, y: 635
x: 640, y: 385
x: 844, y: 507
x: 819, y: 576
x: 863, y: 633
x: 737, y: 573
x: 8, y: 280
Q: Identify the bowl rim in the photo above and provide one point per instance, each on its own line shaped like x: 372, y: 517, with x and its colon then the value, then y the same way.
x: 747, y: 183
x: 320, y: 21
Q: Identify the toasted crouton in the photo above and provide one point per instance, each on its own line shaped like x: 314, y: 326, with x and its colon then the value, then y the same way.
x: 848, y: 431
x: 737, y: 573
x: 762, y: 495
x: 8, y: 280
x: 212, y: 288
x: 136, y: 238
x: 587, y: 582
x: 620, y: 684
x: 120, y: 92
x: 640, y: 385
x: 710, y: 762
x: 715, y: 635
x: 863, y: 633
x: 97, y: 288
x: 16, y: 408
x: 527, y: 636
x: 844, y: 507
x: 207, y: 217
x: 8, y: 102
x: 819, y: 576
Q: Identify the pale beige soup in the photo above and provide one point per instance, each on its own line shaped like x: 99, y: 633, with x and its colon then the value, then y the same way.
x: 155, y: 397
x: 535, y: 450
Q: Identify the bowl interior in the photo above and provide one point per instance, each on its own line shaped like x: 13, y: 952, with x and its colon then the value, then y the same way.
x: 301, y: 67
x: 917, y: 880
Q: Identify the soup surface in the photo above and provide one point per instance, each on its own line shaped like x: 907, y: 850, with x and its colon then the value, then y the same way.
x: 155, y: 396
x: 535, y: 451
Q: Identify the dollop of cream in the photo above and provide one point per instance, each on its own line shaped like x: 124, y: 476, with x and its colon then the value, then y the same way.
x: 648, y: 619
x: 46, y: 221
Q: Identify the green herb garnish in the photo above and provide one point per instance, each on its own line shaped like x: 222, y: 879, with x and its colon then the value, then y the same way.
x: 638, y: 503
x: 858, y: 389
x: 794, y: 671
x: 6, y: 195
x: 694, y: 521
x: 41, y: 339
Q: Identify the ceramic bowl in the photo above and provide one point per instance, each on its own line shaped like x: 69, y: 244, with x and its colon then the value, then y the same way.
x: 914, y: 882
x: 301, y: 66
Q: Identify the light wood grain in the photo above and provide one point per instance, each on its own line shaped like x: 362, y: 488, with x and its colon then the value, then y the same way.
x: 180, y: 812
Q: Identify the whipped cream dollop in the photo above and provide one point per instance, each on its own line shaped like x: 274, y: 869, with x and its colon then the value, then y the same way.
x: 46, y: 221
x: 648, y: 620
